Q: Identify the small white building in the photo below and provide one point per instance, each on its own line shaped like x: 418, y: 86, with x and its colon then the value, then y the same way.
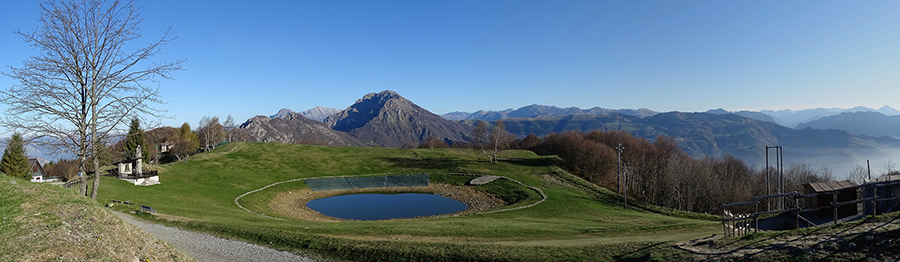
x: 37, y: 170
x: 132, y: 170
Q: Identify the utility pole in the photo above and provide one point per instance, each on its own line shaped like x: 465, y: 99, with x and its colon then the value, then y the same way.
x: 779, y: 169
x: 869, y: 168
x: 781, y: 175
x: 625, y: 188
x: 619, y: 172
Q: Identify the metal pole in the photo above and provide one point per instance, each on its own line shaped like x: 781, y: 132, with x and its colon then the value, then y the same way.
x: 618, y: 172
x: 781, y: 173
x: 874, y: 189
x: 768, y: 203
x: 625, y: 187
x: 869, y: 168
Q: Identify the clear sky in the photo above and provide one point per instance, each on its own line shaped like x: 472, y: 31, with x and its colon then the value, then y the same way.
x: 247, y: 58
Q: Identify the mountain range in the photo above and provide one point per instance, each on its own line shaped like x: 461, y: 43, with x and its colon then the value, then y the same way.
x: 292, y: 127
x: 387, y: 119
x: 787, y: 118
x: 836, y: 138
x: 543, y: 111
x: 714, y: 135
x: 864, y: 122
x: 792, y: 118
x: 378, y: 119
x: 317, y: 113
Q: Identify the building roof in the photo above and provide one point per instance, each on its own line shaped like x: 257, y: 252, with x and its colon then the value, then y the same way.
x: 831, y: 186
x: 887, y: 178
x: 36, y: 168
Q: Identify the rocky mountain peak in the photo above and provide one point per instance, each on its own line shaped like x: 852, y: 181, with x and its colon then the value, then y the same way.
x: 388, y: 119
x: 282, y: 113
x: 319, y: 113
x: 373, y: 105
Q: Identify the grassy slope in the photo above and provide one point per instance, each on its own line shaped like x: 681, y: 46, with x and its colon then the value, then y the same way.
x: 41, y: 222
x: 570, y: 224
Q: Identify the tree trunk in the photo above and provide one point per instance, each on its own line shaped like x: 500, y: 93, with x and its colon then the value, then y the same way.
x: 81, y: 171
x: 95, y: 142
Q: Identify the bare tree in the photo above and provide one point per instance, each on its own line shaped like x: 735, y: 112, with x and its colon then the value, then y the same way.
x: 229, y: 127
x: 211, y: 132
x: 858, y: 175
x: 85, y: 82
x: 890, y: 168
x: 485, y: 139
x: 499, y: 139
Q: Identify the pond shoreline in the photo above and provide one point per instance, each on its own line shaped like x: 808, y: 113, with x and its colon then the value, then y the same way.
x: 293, y: 203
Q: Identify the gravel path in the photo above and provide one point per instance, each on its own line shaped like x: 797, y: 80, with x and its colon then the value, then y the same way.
x: 205, y: 247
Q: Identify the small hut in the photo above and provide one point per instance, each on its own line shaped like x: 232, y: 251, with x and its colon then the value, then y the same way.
x: 132, y: 170
x: 37, y: 171
x: 826, y: 191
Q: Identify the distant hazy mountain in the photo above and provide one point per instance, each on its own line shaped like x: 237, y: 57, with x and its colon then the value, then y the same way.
x: 388, y: 119
x: 44, y: 154
x: 284, y: 112
x: 864, y: 123
x: 317, y: 113
x: 748, y: 114
x: 294, y: 128
x: 543, y: 111
x: 791, y: 118
x: 888, y: 111
x: 703, y: 134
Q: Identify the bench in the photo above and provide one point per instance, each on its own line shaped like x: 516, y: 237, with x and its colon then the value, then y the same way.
x: 121, y: 202
x: 148, y: 209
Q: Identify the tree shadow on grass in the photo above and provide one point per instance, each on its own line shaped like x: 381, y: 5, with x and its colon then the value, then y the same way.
x: 641, y: 254
x: 446, y: 164
x: 531, y: 162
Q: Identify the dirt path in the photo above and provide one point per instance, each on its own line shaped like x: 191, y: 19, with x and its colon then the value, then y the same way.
x: 206, y: 247
x: 874, y: 239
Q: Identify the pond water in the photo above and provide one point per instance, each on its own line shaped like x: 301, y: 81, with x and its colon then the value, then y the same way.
x: 385, y: 206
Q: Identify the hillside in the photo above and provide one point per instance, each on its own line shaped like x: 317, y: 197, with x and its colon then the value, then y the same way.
x: 748, y: 114
x: 702, y: 134
x: 863, y: 123
x: 387, y: 119
x: 42, y: 222
x: 577, y: 222
x: 293, y: 128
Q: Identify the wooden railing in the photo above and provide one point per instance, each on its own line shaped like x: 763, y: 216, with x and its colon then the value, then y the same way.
x: 144, y: 174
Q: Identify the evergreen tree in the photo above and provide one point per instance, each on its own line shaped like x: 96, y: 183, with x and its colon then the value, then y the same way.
x: 14, y: 162
x: 134, y: 139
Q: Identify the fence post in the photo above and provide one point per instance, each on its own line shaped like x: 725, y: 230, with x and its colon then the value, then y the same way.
x: 756, y: 217
x: 875, y: 198
x: 724, y: 219
x: 834, y: 196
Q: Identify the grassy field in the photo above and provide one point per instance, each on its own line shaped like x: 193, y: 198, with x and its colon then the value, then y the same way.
x: 577, y: 221
x: 43, y: 222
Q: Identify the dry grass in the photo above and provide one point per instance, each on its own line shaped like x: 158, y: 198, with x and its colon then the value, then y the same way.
x: 42, y: 222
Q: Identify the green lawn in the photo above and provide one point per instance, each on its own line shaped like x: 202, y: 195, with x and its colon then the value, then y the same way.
x: 575, y: 222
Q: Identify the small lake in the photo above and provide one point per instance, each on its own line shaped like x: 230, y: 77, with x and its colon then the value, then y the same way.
x: 385, y: 206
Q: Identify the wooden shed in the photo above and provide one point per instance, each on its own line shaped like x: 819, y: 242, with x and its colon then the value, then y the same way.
x: 845, y: 190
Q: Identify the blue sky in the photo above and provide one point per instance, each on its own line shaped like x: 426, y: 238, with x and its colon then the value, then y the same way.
x: 247, y: 58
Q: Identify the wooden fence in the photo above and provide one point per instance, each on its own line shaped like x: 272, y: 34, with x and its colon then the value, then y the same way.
x: 736, y: 224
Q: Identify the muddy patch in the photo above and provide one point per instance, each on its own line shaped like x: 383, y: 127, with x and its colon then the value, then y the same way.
x: 293, y: 203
